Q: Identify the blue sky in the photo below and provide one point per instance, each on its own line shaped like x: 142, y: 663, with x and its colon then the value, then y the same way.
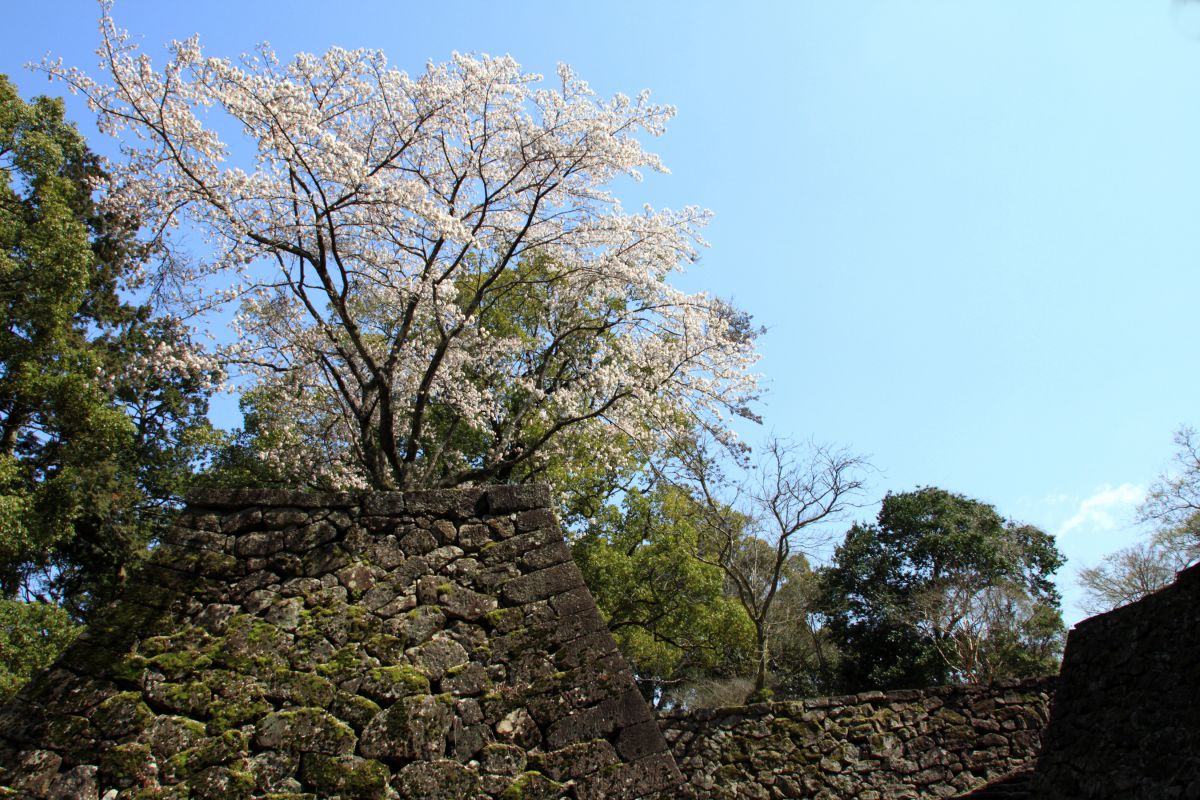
x: 968, y: 226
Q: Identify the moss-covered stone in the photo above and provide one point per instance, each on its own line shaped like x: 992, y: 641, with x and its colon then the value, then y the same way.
x: 226, y: 748
x: 300, y: 688
x: 296, y: 674
x: 532, y: 786
x: 305, y: 730
x: 122, y: 714
x: 346, y: 664
x: 67, y: 732
x: 349, y: 777
x: 389, y: 684
x: 253, y: 646
x: 169, y: 735
x: 232, y: 711
x: 413, y: 728
x: 435, y: 780
x: 127, y: 765
x: 505, y: 620
x: 354, y: 709
x: 387, y: 648
x: 222, y: 783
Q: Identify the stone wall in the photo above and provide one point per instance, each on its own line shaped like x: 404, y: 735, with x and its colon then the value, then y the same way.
x: 296, y: 646
x: 937, y: 742
x: 1126, y: 722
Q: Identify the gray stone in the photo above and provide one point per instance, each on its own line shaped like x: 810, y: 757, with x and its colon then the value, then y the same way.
x: 435, y: 657
x: 413, y: 728
x: 75, y: 784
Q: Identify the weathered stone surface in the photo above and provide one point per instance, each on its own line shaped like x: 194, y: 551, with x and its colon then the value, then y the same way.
x: 911, y: 744
x: 435, y: 657
x: 508, y: 499
x: 304, y: 730
x: 75, y: 784
x: 435, y: 780
x: 389, y: 684
x: 292, y: 646
x: 413, y: 728
x: 345, y: 776
x: 464, y: 603
x: 1125, y: 721
x: 542, y: 584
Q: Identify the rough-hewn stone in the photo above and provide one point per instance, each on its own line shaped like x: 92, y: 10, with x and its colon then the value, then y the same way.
x: 288, y: 645
x: 937, y: 742
x: 1126, y: 719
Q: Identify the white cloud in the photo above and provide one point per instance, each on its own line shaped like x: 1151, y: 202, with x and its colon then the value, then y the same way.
x: 1106, y: 508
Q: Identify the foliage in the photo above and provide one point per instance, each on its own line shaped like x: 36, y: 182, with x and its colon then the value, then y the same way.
x: 31, y: 637
x: 754, y: 528
x: 101, y: 403
x: 665, y: 607
x: 431, y: 273
x: 942, y: 589
x: 803, y: 658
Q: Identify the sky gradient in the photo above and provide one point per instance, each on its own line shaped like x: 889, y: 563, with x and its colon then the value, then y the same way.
x: 969, y: 227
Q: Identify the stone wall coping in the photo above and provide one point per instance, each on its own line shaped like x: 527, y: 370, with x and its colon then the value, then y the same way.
x: 461, y: 501
x: 793, y: 707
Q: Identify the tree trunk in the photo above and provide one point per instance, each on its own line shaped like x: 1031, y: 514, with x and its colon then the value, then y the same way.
x: 760, y: 680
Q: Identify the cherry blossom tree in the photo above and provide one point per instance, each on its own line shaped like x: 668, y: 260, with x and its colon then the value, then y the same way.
x: 431, y: 273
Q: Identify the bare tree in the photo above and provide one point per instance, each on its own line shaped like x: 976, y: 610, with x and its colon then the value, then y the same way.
x: 1173, y: 507
x: 754, y: 525
x: 970, y: 620
x: 1136, y: 571
x: 1174, y: 500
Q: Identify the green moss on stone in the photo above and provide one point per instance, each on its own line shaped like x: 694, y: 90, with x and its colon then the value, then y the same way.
x: 234, y: 711
x: 127, y: 764
x: 531, y: 786
x: 385, y: 647
x: 346, y: 663
x: 305, y: 730
x: 355, y: 709
x: 122, y: 714
x: 508, y: 618
x: 302, y: 688
x: 177, y: 664
x: 348, y: 777
x: 229, y: 746
x: 64, y: 732
x: 413, y: 681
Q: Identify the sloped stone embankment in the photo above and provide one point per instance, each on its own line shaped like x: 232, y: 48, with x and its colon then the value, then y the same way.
x: 298, y: 646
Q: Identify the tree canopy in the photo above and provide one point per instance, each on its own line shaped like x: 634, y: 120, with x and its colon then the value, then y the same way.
x: 666, y: 607
x: 430, y: 271
x: 940, y: 589
x: 102, y: 403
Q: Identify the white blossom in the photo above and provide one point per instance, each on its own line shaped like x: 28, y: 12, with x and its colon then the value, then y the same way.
x: 432, y: 268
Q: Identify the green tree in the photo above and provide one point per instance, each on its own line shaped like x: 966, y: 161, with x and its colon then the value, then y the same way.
x: 32, y: 634
x: 942, y: 589
x: 666, y: 608
x: 102, y: 404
